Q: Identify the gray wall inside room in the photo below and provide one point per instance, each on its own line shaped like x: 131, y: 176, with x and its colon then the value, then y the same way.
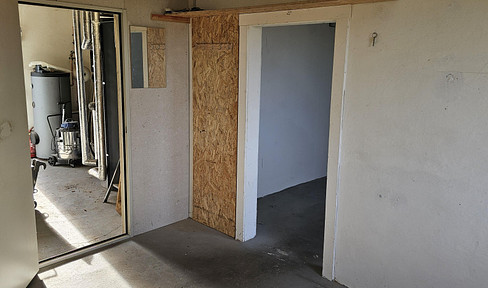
x: 295, y: 101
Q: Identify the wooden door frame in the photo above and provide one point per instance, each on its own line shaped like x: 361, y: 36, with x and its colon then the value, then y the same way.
x: 248, y: 119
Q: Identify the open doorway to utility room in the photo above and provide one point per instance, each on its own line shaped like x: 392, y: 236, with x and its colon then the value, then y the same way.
x: 296, y: 79
x: 73, y: 94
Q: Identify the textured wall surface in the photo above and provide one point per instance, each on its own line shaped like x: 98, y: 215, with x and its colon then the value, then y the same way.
x: 413, y: 199
x: 160, y: 141
x: 160, y: 134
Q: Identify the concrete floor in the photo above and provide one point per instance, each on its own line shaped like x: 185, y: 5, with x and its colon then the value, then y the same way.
x: 287, y: 252
x: 70, y: 211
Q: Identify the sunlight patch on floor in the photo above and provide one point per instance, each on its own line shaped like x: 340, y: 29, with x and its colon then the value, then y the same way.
x: 59, y: 222
x: 78, y: 273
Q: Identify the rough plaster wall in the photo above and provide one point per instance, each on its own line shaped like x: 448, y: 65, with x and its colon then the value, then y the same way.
x: 160, y: 141
x: 413, y: 201
x: 296, y: 77
x: 160, y: 130
x: 18, y: 243
x: 159, y: 125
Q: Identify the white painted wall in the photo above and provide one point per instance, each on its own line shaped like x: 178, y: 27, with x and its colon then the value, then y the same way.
x: 412, y: 201
x: 296, y: 77
x: 18, y: 241
x: 158, y: 125
x: 160, y: 141
x: 47, y: 35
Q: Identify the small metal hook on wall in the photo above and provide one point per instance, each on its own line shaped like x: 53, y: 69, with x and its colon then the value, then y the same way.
x: 374, y: 36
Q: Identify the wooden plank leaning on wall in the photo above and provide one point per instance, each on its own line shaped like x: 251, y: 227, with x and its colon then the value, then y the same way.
x: 215, y: 42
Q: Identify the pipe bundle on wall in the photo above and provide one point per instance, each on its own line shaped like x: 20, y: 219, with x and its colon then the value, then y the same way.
x: 100, y: 171
x: 85, y: 142
x: 86, y: 27
x: 86, y: 16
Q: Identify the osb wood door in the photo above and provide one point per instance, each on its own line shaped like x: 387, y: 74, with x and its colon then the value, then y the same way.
x: 215, y: 91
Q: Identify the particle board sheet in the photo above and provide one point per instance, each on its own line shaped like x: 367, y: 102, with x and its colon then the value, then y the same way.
x: 156, y: 59
x: 219, y: 29
x: 215, y: 89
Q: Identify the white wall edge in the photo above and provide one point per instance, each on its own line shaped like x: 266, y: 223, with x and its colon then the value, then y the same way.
x: 118, y: 21
x: 125, y: 37
x: 246, y: 208
x: 241, y: 133
x: 335, y: 136
x: 190, y: 109
x: 248, y: 131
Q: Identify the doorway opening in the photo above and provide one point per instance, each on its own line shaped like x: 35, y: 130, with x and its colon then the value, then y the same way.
x: 250, y: 60
x: 296, y: 80
x: 73, y: 80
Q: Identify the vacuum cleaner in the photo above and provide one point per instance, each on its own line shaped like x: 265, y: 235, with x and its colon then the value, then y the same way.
x: 67, y: 145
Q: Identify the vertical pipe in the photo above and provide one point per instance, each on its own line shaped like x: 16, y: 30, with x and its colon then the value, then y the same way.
x: 93, y: 111
x: 85, y: 151
x: 98, y: 90
x: 86, y: 19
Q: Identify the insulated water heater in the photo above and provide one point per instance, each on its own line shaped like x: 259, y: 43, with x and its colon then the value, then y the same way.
x: 50, y: 92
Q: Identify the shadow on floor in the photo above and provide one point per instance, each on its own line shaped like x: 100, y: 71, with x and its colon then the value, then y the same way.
x: 46, y: 235
x: 36, y: 283
x: 287, y: 252
x: 70, y: 212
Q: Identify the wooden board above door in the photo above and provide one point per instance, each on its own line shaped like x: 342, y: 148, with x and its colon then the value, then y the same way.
x: 183, y: 17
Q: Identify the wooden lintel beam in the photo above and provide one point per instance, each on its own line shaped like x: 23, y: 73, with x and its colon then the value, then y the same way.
x: 170, y: 18
x: 275, y: 7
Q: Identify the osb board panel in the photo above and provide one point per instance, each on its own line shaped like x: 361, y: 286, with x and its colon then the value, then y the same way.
x: 156, y: 59
x: 218, y: 29
x: 215, y: 89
